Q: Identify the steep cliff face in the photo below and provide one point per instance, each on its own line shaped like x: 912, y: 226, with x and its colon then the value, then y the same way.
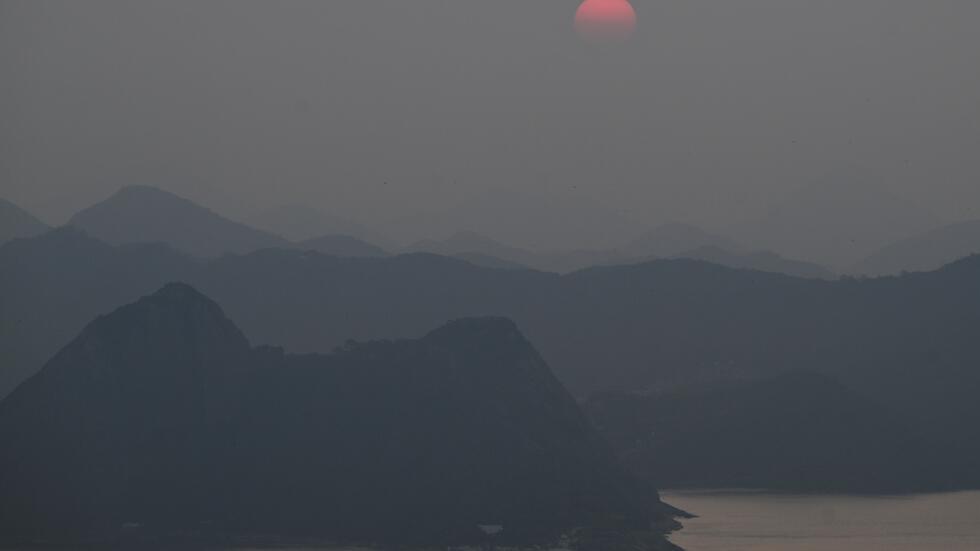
x: 161, y: 415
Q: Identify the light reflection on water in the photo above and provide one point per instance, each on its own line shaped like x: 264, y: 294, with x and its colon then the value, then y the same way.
x: 753, y: 521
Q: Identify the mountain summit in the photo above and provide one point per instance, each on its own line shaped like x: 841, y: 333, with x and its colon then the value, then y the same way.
x: 147, y: 214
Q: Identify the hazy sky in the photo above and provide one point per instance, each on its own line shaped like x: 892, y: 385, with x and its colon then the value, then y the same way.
x: 389, y: 110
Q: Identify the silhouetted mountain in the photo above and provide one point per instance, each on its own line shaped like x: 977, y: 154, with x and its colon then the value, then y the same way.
x: 16, y: 222
x: 160, y: 416
x: 762, y: 261
x: 673, y: 239
x: 909, y: 343
x: 301, y: 223
x: 799, y: 432
x: 141, y: 214
x: 342, y: 245
x: 120, y: 425
x: 52, y: 285
x: 835, y: 222
x: 924, y: 252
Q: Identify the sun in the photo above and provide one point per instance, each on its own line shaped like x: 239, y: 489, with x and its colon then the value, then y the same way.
x: 605, y: 20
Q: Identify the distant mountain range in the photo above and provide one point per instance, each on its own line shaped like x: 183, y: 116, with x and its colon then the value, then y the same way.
x: 300, y: 223
x: 139, y: 214
x: 537, y: 221
x: 142, y: 214
x: 161, y: 421
x: 759, y: 261
x: 909, y: 344
x: 16, y: 222
x: 923, y: 252
x: 669, y: 240
x: 835, y: 222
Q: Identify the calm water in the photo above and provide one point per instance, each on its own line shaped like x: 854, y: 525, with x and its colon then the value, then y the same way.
x: 747, y: 521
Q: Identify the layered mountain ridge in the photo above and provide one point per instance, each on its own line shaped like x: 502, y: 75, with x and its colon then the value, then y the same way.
x: 161, y: 418
x: 16, y: 223
x: 907, y: 343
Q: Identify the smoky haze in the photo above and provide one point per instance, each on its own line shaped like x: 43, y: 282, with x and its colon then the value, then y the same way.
x: 425, y: 117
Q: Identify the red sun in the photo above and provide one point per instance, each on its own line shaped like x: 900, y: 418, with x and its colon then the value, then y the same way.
x: 605, y: 20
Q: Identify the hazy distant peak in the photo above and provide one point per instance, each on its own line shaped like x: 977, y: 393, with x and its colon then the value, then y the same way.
x: 925, y: 251
x: 142, y: 189
x: 16, y: 222
x: 675, y: 238
x: 969, y: 262
x: 129, y: 194
x: 136, y: 214
x: 149, y: 195
x: 836, y: 221
x: 143, y: 196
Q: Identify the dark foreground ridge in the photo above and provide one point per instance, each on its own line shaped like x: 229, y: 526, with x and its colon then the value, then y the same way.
x: 800, y: 432
x: 160, y: 419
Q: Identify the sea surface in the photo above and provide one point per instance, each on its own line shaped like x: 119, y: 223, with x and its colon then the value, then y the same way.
x: 756, y: 521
